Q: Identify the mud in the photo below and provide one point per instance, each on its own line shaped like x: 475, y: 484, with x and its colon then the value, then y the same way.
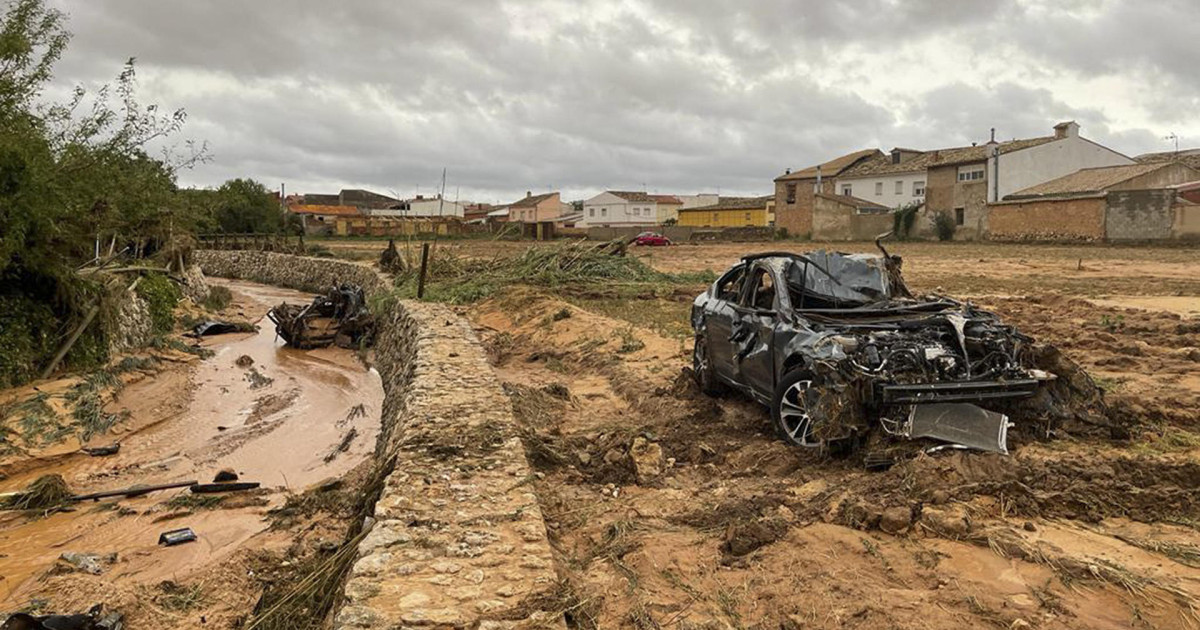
x: 189, y: 421
x: 671, y: 509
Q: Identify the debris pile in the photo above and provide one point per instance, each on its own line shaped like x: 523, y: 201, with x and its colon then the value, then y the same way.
x: 339, y: 317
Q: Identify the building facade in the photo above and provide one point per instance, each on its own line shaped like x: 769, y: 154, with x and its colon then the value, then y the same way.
x: 619, y: 208
x: 795, y: 192
x: 729, y: 212
x: 962, y: 181
x: 536, y: 208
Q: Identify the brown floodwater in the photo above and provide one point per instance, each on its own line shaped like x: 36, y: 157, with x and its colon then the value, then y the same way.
x: 279, y: 422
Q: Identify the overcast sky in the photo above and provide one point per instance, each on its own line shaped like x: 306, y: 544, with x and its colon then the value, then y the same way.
x: 673, y: 96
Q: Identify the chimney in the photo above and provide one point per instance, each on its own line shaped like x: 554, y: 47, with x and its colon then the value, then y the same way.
x: 1069, y: 129
x: 420, y: 197
x: 528, y: 194
x: 787, y: 171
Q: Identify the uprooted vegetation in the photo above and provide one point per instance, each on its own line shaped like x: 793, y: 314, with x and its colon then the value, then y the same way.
x: 459, y: 279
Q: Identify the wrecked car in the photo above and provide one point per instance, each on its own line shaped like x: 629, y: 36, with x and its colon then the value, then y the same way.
x: 836, y: 345
x: 339, y: 317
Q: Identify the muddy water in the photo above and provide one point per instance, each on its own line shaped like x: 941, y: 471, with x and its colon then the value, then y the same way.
x: 279, y: 422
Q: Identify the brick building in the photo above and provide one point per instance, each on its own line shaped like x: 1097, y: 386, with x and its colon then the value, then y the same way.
x: 795, y: 192
x: 1129, y: 202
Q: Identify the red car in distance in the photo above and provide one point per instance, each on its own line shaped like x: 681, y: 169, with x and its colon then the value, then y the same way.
x: 651, y: 239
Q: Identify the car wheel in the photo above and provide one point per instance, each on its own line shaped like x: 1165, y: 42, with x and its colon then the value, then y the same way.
x: 793, y: 407
x: 702, y: 368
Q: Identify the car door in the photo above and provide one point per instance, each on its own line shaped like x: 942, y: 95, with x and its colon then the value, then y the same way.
x: 753, y: 331
x: 718, y: 321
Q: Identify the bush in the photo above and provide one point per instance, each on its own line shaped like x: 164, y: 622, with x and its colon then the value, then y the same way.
x: 944, y: 226
x: 161, y: 296
x: 28, y: 331
x: 903, y: 220
x: 218, y: 298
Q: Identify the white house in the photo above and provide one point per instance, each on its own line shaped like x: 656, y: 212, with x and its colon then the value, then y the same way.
x: 893, y: 180
x: 1066, y: 153
x: 422, y: 206
x: 619, y: 208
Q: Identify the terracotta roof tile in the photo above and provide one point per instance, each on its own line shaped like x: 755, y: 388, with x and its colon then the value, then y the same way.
x: 833, y: 167
x: 529, y: 202
x: 733, y: 203
x: 344, y: 211
x: 852, y: 201
x: 1089, y: 180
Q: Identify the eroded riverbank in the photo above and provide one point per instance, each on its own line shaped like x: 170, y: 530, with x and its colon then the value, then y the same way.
x: 286, y: 418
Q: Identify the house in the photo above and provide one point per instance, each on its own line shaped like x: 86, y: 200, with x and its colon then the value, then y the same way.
x: 420, y: 206
x: 847, y: 218
x: 795, y: 192
x: 620, y: 208
x: 476, y: 212
x: 536, y: 208
x: 364, y: 199
x: 1113, y: 203
x: 666, y: 208
x: 729, y: 212
x: 322, y: 218
x: 894, y: 180
x: 961, y: 181
x: 1190, y: 157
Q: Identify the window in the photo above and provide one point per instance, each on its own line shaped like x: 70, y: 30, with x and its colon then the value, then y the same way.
x: 960, y: 216
x: 603, y: 212
x: 791, y: 193
x: 918, y: 189
x: 761, y: 294
x: 591, y: 212
x: 970, y: 173
x: 847, y: 190
x: 747, y: 218
x: 899, y: 187
x: 730, y: 285
x: 878, y: 189
x: 716, y: 218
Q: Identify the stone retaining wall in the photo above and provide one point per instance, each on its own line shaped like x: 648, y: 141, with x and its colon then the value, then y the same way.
x: 459, y: 540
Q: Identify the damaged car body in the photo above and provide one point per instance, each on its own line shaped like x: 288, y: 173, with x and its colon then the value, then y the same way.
x: 339, y: 317
x: 835, y: 345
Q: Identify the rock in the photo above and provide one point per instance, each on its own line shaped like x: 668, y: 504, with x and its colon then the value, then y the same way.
x: 584, y: 459
x: 939, y: 497
x: 1018, y: 624
x: 244, y: 361
x: 1029, y: 526
x: 613, y: 456
x: 895, y: 520
x: 225, y: 475
x: 946, y: 522
x: 92, y: 563
x: 647, y: 459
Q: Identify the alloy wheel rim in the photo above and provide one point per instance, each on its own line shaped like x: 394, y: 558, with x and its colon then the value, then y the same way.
x: 794, y: 414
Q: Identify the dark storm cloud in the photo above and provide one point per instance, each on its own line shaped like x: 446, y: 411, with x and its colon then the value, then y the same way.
x: 678, y: 95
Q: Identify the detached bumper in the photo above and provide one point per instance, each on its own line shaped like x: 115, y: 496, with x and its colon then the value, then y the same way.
x: 971, y: 391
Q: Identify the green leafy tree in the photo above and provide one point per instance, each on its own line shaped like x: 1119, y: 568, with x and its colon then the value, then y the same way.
x: 73, y: 174
x: 246, y: 206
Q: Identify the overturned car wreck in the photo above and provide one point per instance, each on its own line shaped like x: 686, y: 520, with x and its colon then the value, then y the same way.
x: 339, y: 317
x: 836, y: 345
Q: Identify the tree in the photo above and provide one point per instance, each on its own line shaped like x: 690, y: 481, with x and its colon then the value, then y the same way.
x: 246, y: 206
x: 70, y: 177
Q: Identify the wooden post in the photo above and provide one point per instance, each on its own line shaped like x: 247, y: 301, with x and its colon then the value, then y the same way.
x: 424, y: 267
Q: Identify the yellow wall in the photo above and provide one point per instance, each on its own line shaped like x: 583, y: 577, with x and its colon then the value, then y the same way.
x: 723, y: 218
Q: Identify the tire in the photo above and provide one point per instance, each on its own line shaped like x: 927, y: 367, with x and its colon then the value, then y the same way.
x: 791, y: 409
x: 706, y: 380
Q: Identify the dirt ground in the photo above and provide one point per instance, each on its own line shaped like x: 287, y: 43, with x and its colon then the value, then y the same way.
x: 295, y: 421
x: 670, y: 509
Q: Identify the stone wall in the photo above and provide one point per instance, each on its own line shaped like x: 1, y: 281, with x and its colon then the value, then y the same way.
x: 458, y: 538
x: 1077, y: 219
x: 1140, y: 215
